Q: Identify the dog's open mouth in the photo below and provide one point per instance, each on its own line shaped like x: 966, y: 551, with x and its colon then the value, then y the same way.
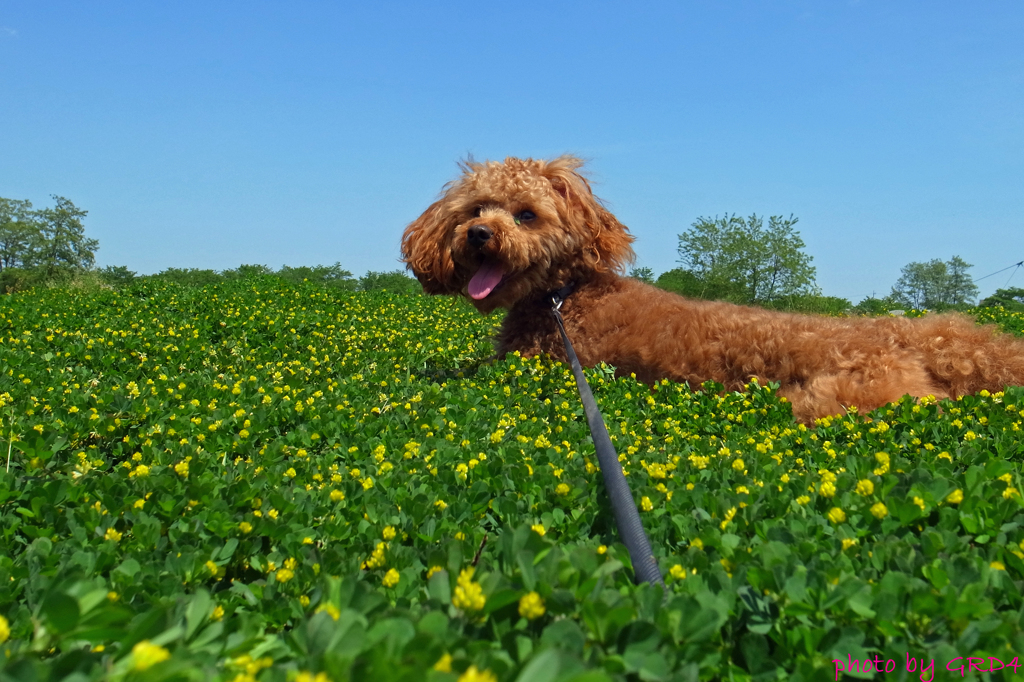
x: 486, y: 279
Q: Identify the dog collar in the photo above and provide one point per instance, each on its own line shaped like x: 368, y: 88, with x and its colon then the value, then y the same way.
x: 559, y: 295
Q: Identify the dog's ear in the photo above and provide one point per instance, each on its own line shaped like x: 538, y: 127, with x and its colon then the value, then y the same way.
x: 426, y: 249
x: 609, y: 250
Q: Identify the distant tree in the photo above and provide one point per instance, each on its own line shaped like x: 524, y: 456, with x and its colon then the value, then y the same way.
x: 686, y: 283
x: 396, y: 281
x: 19, y: 233
x: 189, y: 276
x: 117, y: 276
x: 247, y: 271
x: 753, y: 262
x: 643, y: 274
x: 1011, y: 299
x: 875, y: 306
x: 935, y: 285
x: 63, y: 247
x: 330, y: 275
x: 960, y: 288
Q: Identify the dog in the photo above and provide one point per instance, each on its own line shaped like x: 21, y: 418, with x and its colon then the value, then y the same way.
x: 511, y: 234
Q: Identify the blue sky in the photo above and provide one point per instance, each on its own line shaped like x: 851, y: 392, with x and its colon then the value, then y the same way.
x: 210, y: 134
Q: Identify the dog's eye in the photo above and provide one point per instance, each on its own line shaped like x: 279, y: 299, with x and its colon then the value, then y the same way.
x: 524, y: 216
x: 477, y: 211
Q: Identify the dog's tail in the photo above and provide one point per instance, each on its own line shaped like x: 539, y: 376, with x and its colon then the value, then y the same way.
x: 967, y: 358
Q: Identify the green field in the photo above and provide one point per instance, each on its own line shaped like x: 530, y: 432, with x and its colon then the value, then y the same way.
x: 260, y: 481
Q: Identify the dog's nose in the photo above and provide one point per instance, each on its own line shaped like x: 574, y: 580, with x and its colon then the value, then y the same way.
x: 478, y: 235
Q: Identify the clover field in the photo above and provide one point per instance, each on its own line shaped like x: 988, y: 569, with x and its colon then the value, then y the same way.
x: 258, y: 481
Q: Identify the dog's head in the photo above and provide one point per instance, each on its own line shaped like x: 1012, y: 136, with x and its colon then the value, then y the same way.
x: 505, y: 231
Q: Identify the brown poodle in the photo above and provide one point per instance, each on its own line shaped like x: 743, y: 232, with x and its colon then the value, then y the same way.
x: 508, y: 235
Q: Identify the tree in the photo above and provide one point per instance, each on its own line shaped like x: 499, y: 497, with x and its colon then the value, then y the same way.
x: 935, y: 284
x: 960, y: 289
x: 63, y: 248
x: 1011, y: 299
x: 755, y: 263
x: 19, y: 233
x: 396, y: 281
x: 645, y: 275
x: 331, y: 275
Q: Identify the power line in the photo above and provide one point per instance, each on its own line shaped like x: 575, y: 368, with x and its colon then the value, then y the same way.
x: 1015, y: 265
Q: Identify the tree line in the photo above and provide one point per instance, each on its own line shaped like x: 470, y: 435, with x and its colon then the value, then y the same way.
x: 753, y: 262
x: 749, y: 261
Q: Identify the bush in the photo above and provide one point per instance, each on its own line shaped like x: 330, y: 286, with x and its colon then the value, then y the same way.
x: 396, y: 281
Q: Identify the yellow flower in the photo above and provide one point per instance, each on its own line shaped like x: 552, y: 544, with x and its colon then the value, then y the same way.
x: 337, y: 496
x: 112, y: 534
x: 5, y: 629
x: 562, y: 489
x: 879, y: 510
x: 181, y: 468
x: 697, y: 543
x: 330, y: 609
x: 433, y: 570
x: 245, y: 527
x: 211, y: 567
x: 218, y: 613
x: 955, y: 497
x: 919, y: 502
x: 474, y: 675
x: 283, y: 575
x: 602, y: 549
x: 389, y: 532
x: 538, y: 528
x: 147, y: 655
x: 444, y: 664
x: 728, y: 517
x: 531, y: 606
x: 1010, y: 492
x: 305, y: 676
x: 836, y: 515
x: 997, y: 566
x: 738, y: 464
x: 646, y: 504
x: 865, y: 487
x: 803, y: 499
x: 367, y: 483
x: 678, y: 572
x: 290, y: 473
x: 468, y: 596
x: 828, y: 489
x: 848, y: 543
x: 390, y: 578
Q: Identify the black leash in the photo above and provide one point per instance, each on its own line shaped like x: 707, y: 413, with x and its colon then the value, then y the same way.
x: 631, y: 529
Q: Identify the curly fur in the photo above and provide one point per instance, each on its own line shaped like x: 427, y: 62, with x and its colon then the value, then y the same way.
x: 478, y: 233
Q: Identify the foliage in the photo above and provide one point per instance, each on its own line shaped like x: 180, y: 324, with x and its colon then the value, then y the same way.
x: 760, y: 264
x: 875, y: 306
x: 64, y: 250
x: 1011, y: 299
x: 259, y: 480
x: 644, y: 274
x: 117, y: 275
x: 192, y: 277
x: 396, y: 281
x: 935, y: 285
x: 687, y: 284
x: 19, y: 233
x: 42, y: 246
x: 329, y: 275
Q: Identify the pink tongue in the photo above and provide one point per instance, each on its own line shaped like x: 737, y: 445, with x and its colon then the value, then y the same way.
x: 485, y: 279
